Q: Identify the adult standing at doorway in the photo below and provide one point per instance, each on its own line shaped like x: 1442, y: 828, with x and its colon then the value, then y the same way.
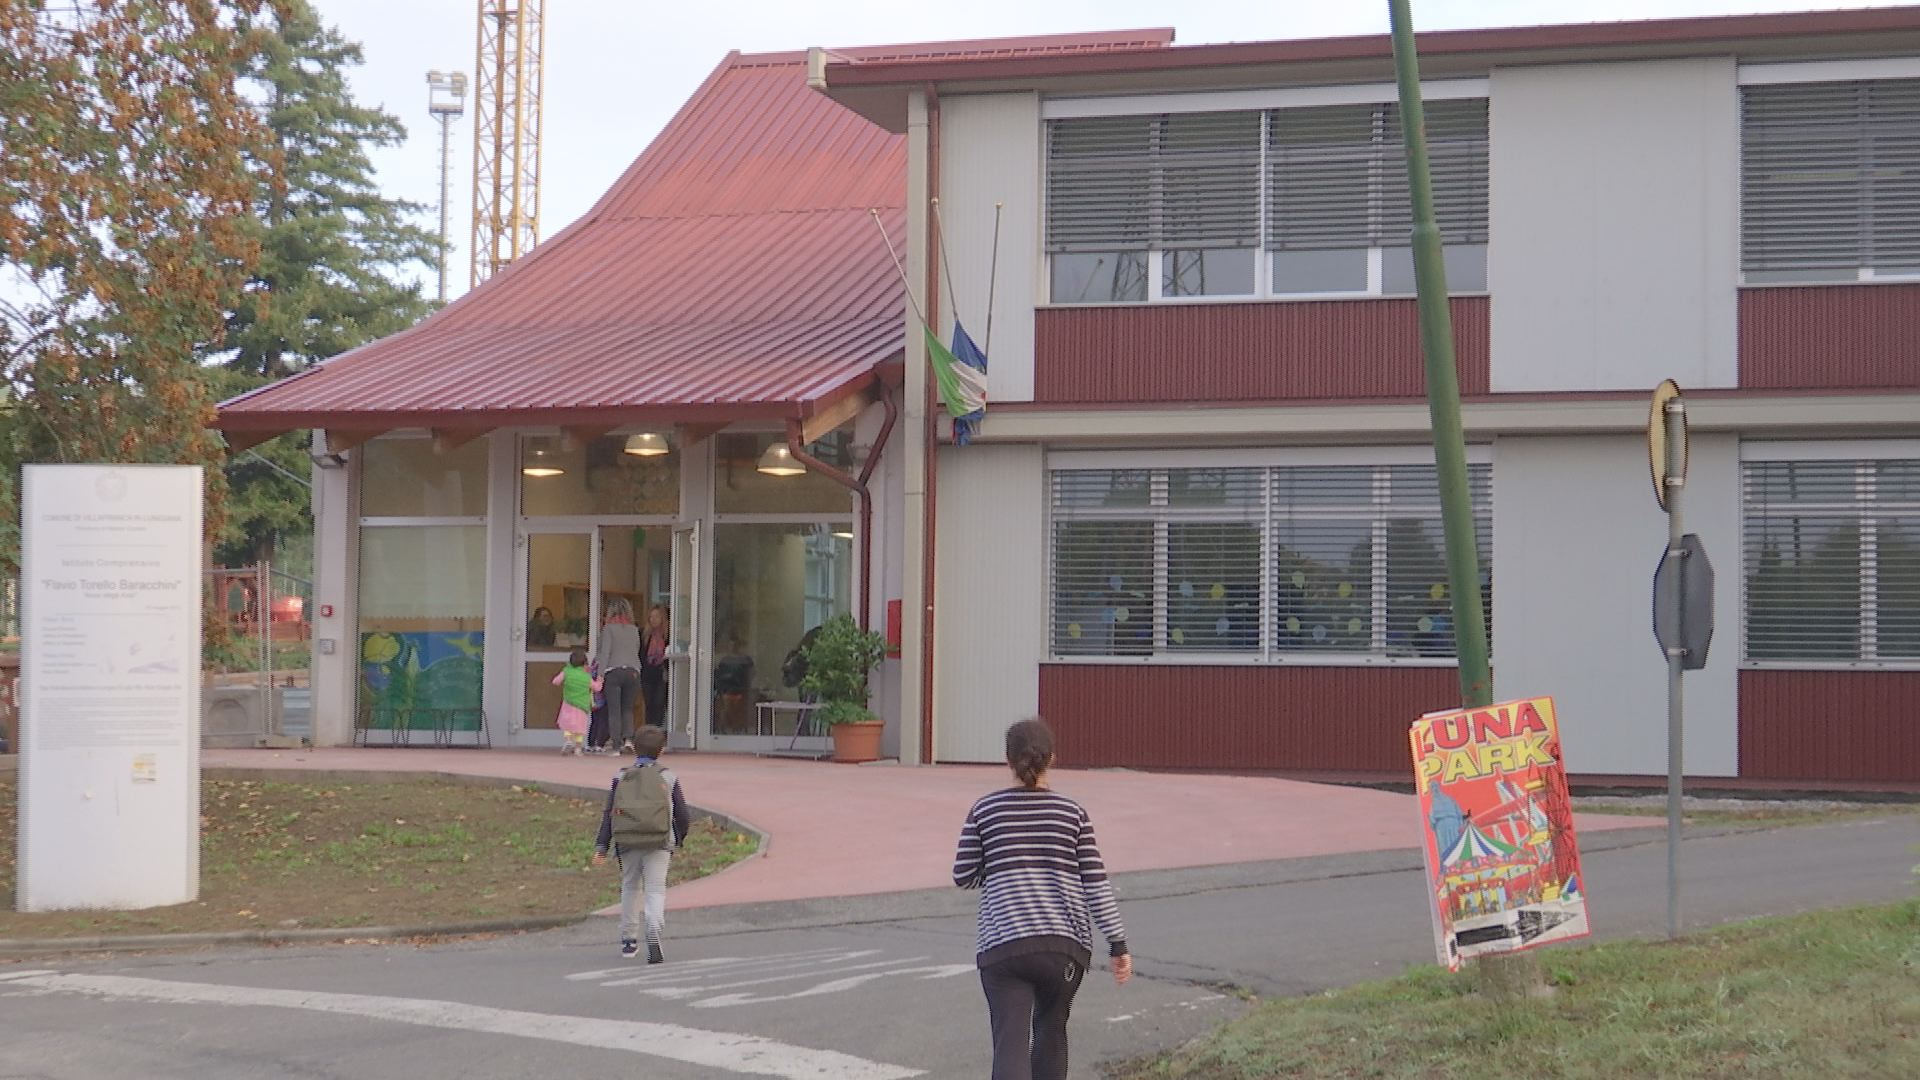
x: 654, y: 640
x: 619, y: 654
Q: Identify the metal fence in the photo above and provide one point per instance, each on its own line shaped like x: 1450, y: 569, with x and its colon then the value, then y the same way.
x: 257, y: 686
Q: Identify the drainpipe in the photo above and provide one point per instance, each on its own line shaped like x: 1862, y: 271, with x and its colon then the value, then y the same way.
x: 857, y: 485
x: 931, y: 435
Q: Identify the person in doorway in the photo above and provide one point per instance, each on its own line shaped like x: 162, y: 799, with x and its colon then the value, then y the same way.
x: 541, y: 629
x: 619, y: 655
x: 577, y: 687
x: 645, y: 819
x: 653, y: 666
x: 1044, y: 887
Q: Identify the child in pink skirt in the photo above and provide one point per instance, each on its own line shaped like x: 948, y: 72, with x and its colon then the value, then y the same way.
x: 577, y: 687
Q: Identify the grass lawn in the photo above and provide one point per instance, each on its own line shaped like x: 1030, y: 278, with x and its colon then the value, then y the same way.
x: 1827, y: 994
x: 281, y: 855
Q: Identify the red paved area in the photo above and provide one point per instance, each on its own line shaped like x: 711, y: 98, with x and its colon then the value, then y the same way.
x: 845, y: 830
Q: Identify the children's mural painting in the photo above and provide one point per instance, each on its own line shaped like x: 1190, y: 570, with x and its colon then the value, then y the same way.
x: 404, y: 675
x: 1503, y: 868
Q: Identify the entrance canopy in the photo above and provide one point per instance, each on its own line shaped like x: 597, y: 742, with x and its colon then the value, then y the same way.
x: 733, y: 273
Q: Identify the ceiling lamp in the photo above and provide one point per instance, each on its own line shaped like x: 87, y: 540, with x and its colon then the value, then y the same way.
x: 646, y: 444
x: 843, y: 532
x: 779, y: 461
x: 540, y: 462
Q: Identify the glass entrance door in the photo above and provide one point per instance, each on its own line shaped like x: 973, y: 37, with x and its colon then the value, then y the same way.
x: 560, y: 599
x: 684, y: 621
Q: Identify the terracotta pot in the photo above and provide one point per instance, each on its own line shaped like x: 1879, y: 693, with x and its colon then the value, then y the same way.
x: 858, y: 741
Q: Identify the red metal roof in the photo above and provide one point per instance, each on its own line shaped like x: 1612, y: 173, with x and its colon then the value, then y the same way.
x: 1791, y: 33
x: 733, y: 271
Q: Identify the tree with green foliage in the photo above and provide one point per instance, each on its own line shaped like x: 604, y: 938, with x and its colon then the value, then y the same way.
x: 126, y: 200
x: 334, y: 254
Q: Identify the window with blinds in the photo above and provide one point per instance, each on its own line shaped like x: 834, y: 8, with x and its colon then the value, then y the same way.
x: 1254, y: 562
x: 1315, y: 200
x: 1832, y: 560
x: 1830, y: 181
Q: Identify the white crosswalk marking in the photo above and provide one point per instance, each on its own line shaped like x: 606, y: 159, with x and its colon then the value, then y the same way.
x: 834, y: 971
x: 937, y: 971
x: 749, y: 1055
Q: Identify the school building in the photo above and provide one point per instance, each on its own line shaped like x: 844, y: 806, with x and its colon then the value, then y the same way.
x: 1198, y: 526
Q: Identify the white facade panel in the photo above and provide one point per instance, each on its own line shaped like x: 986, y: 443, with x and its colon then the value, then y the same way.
x: 990, y: 153
x: 990, y: 617
x: 1576, y: 539
x: 1615, y: 205
x: 334, y: 676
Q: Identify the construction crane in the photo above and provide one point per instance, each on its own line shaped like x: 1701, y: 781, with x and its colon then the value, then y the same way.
x: 508, y: 65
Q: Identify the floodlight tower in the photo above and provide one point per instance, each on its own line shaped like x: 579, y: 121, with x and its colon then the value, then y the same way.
x: 508, y: 67
x: 446, y: 101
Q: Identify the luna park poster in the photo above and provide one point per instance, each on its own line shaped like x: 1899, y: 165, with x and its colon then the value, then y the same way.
x: 1503, y: 865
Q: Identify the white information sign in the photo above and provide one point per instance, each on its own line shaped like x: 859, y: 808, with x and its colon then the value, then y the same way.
x: 110, y: 678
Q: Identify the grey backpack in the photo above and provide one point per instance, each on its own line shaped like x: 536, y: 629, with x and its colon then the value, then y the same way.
x: 643, y: 810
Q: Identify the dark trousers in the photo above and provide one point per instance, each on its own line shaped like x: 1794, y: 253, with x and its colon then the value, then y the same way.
x: 597, y: 729
x: 653, y: 691
x: 1028, y: 999
x: 621, y: 687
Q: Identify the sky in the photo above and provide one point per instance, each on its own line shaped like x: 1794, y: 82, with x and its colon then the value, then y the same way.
x: 617, y: 70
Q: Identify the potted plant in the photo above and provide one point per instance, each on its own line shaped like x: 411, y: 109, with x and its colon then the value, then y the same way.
x: 838, y: 661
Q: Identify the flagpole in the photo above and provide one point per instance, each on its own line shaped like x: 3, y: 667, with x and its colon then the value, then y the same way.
x: 901, y: 269
x: 946, y: 268
x: 993, y: 272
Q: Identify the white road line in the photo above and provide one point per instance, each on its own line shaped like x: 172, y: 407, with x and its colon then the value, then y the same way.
x: 712, y: 963
x: 794, y: 968
x: 674, y: 993
x: 938, y: 971
x: 749, y: 1055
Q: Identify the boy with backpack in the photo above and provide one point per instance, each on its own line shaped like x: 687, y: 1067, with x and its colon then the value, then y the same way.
x: 645, y: 819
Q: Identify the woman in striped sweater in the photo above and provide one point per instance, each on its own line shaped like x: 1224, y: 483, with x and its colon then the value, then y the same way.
x: 1044, y: 887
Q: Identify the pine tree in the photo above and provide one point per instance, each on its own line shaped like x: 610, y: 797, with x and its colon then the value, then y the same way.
x: 331, y: 243
x: 333, y: 252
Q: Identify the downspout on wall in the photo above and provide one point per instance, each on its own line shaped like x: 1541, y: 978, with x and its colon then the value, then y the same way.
x: 931, y: 432
x: 858, y: 485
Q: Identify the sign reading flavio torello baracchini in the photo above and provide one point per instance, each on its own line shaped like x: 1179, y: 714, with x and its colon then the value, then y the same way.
x: 1503, y: 868
x: 110, y: 664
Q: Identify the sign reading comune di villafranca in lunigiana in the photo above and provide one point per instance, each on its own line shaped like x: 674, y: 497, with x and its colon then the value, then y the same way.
x: 1503, y: 868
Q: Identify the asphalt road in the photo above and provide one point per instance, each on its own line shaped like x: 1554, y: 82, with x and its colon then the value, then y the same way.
x: 874, y: 987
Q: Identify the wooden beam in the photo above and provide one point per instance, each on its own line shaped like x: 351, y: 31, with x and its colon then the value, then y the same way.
x: 831, y: 417
x: 447, y: 440
x: 692, y: 435
x: 340, y: 441
x: 241, y: 441
x: 577, y: 438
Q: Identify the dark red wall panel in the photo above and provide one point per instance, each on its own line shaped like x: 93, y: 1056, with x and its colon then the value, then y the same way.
x: 1247, y: 352
x: 1253, y: 717
x: 1829, y: 725
x: 1835, y: 337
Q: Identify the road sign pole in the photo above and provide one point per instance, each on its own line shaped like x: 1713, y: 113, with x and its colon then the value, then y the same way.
x: 1674, y: 414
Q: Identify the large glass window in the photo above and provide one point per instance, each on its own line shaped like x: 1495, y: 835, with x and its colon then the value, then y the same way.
x: 1331, y: 561
x: 741, y: 487
x: 772, y: 583
x: 1315, y: 200
x: 598, y: 477
x: 422, y: 609
x: 402, y: 477
x: 1832, y: 554
x: 1830, y: 181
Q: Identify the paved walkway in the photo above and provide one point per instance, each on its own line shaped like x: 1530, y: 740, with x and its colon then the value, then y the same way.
x: 845, y: 830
